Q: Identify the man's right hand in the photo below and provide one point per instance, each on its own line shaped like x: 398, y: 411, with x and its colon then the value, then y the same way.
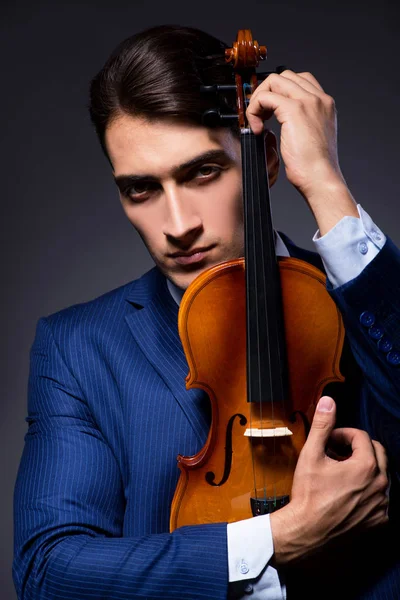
x: 330, y: 496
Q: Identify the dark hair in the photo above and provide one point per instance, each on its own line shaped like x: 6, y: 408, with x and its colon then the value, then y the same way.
x: 157, y: 73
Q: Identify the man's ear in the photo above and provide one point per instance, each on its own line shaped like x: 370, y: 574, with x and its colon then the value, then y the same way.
x: 273, y: 160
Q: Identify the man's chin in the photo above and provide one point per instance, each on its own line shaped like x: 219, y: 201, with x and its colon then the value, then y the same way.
x: 183, y: 280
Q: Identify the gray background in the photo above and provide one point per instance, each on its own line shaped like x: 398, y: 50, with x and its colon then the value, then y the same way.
x: 65, y: 238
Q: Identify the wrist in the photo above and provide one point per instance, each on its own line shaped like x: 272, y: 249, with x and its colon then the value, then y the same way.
x: 330, y: 202
x: 288, y: 536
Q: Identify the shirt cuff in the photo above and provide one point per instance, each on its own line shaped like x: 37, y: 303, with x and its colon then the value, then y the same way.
x: 250, y: 547
x: 349, y: 247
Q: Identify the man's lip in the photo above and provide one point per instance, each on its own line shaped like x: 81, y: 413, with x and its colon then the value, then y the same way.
x: 195, y: 251
x: 192, y: 258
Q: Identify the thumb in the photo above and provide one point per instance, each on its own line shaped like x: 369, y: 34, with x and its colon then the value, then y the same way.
x: 321, y: 426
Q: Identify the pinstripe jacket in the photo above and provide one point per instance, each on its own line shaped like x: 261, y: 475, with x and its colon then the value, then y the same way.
x: 108, y: 413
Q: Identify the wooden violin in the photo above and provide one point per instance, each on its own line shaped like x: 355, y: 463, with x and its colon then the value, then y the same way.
x: 262, y: 338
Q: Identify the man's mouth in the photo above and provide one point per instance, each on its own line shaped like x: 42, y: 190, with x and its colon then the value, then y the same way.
x: 191, y: 257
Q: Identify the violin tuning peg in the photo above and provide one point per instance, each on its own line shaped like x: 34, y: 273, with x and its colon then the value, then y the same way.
x: 211, y: 118
x: 214, y: 118
x: 214, y: 89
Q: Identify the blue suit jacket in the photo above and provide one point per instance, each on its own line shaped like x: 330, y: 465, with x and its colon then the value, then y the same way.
x: 108, y: 415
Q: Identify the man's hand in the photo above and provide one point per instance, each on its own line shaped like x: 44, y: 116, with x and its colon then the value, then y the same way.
x: 308, y: 143
x: 331, y: 497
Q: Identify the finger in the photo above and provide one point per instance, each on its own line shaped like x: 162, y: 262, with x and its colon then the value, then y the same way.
x: 378, y: 517
x: 275, y: 95
x: 381, y: 456
x: 282, y: 85
x: 336, y: 451
x: 263, y: 106
x: 305, y: 80
x: 356, y: 439
x: 321, y: 428
x: 312, y: 80
x: 382, y: 461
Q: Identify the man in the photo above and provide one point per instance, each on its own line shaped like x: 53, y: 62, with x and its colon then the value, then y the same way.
x: 108, y: 408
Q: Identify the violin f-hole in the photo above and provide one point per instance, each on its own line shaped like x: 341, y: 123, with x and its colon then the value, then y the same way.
x: 210, y: 476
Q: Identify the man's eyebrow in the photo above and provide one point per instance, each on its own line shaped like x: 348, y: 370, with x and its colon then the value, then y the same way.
x: 202, y: 158
x: 124, y: 181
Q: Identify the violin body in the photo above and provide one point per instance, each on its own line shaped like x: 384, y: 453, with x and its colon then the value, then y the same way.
x: 248, y: 461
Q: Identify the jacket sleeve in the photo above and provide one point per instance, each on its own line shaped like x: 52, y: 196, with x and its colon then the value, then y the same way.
x: 370, y: 306
x: 69, y: 509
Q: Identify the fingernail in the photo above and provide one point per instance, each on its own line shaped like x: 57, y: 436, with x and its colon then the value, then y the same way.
x: 325, y: 404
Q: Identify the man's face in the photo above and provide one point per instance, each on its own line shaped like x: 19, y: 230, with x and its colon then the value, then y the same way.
x: 180, y: 187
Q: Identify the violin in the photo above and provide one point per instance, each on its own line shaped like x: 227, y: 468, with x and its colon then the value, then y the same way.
x: 262, y: 337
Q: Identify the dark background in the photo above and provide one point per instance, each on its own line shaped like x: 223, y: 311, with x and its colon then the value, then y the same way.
x: 65, y: 238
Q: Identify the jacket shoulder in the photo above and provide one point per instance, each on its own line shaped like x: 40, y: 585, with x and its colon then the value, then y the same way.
x: 113, y: 302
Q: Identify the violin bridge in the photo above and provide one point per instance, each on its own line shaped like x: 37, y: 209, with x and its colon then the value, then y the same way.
x: 267, y: 432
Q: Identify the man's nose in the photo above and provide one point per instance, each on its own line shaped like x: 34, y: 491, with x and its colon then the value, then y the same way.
x: 182, y: 220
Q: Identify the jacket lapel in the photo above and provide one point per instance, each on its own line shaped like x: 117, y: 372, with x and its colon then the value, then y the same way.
x: 153, y: 322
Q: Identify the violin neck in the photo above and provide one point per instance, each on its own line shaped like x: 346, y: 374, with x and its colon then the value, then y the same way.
x: 266, y: 353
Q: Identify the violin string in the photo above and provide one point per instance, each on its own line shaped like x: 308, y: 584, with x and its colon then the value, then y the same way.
x: 272, y: 278
x: 258, y: 222
x: 249, y: 387
x: 272, y: 251
x: 247, y: 141
x: 255, y: 211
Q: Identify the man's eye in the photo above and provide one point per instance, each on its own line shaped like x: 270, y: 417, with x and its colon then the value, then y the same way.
x: 139, y: 190
x: 208, y: 171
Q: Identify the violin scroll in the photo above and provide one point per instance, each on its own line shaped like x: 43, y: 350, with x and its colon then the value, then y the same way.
x: 245, y: 53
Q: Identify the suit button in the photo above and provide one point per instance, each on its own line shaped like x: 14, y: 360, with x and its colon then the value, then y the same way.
x: 375, y: 332
x: 384, y: 344
x: 393, y: 358
x: 367, y: 318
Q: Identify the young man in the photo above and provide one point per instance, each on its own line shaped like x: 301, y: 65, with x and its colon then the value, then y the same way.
x: 108, y: 407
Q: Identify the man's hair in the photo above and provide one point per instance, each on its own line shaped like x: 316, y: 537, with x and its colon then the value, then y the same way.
x: 157, y: 74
